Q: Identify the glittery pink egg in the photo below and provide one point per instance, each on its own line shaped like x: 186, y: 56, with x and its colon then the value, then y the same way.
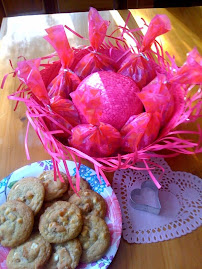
x: 107, y: 97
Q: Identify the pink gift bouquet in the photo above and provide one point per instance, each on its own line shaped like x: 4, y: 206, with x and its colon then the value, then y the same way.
x: 109, y: 102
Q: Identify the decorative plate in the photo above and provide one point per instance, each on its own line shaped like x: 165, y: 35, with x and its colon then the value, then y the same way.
x: 113, y: 217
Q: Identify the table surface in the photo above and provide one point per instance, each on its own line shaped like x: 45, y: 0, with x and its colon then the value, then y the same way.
x: 23, y: 36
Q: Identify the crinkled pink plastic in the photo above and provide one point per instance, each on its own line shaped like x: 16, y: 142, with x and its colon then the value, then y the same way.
x: 54, y: 124
x: 95, y: 61
x: 100, y: 141
x: 140, y: 131
x: 50, y: 72
x: 28, y: 73
x: 79, y: 53
x: 140, y: 66
x: 117, y: 55
x: 63, y: 84
x: 62, y: 111
x: 57, y: 38
x: 159, y: 25
x: 97, y: 28
x: 66, y: 109
x: 156, y: 97
x: 142, y: 70
x: 191, y: 71
x: 66, y: 81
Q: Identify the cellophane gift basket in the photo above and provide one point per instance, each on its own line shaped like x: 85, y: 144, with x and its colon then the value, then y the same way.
x: 111, y: 103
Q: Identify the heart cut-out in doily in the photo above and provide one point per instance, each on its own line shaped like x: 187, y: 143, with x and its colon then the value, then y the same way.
x: 180, y: 198
x: 146, y: 198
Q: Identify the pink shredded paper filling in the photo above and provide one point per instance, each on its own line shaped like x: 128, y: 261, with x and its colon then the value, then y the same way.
x: 104, y: 120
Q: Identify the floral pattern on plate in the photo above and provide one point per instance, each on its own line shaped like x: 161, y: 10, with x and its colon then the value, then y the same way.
x: 113, y: 217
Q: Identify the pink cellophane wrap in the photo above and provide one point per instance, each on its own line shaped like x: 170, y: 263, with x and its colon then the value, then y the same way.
x: 190, y: 72
x: 140, y: 131
x: 50, y: 72
x: 100, y: 141
x: 165, y: 89
x: 66, y: 109
x: 97, y: 28
x: 180, y: 198
x: 156, y: 97
x: 134, y: 66
x: 63, y: 111
x: 159, y: 25
x: 95, y: 61
x: 28, y: 73
x: 66, y: 81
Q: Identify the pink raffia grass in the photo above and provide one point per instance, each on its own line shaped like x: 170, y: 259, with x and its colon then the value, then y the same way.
x: 58, y: 151
x: 169, y: 139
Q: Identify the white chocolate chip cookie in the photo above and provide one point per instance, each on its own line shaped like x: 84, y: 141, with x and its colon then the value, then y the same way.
x: 61, y: 222
x: 94, y: 238
x: 53, y: 189
x: 16, y: 223
x: 66, y: 255
x: 33, y: 254
x: 30, y: 191
x: 90, y: 203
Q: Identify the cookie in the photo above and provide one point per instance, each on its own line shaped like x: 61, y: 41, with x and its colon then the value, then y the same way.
x: 66, y: 255
x: 38, y: 215
x: 61, y: 222
x: 16, y: 223
x: 33, y: 254
x: 30, y: 191
x: 90, y: 203
x: 94, y: 238
x: 83, y: 186
x: 53, y: 189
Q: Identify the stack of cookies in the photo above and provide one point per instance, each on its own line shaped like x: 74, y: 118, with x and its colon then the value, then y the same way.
x: 47, y: 225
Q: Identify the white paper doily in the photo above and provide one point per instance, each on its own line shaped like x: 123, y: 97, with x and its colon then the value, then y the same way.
x: 180, y: 198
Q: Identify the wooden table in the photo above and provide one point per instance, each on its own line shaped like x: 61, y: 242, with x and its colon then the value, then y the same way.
x: 22, y: 36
